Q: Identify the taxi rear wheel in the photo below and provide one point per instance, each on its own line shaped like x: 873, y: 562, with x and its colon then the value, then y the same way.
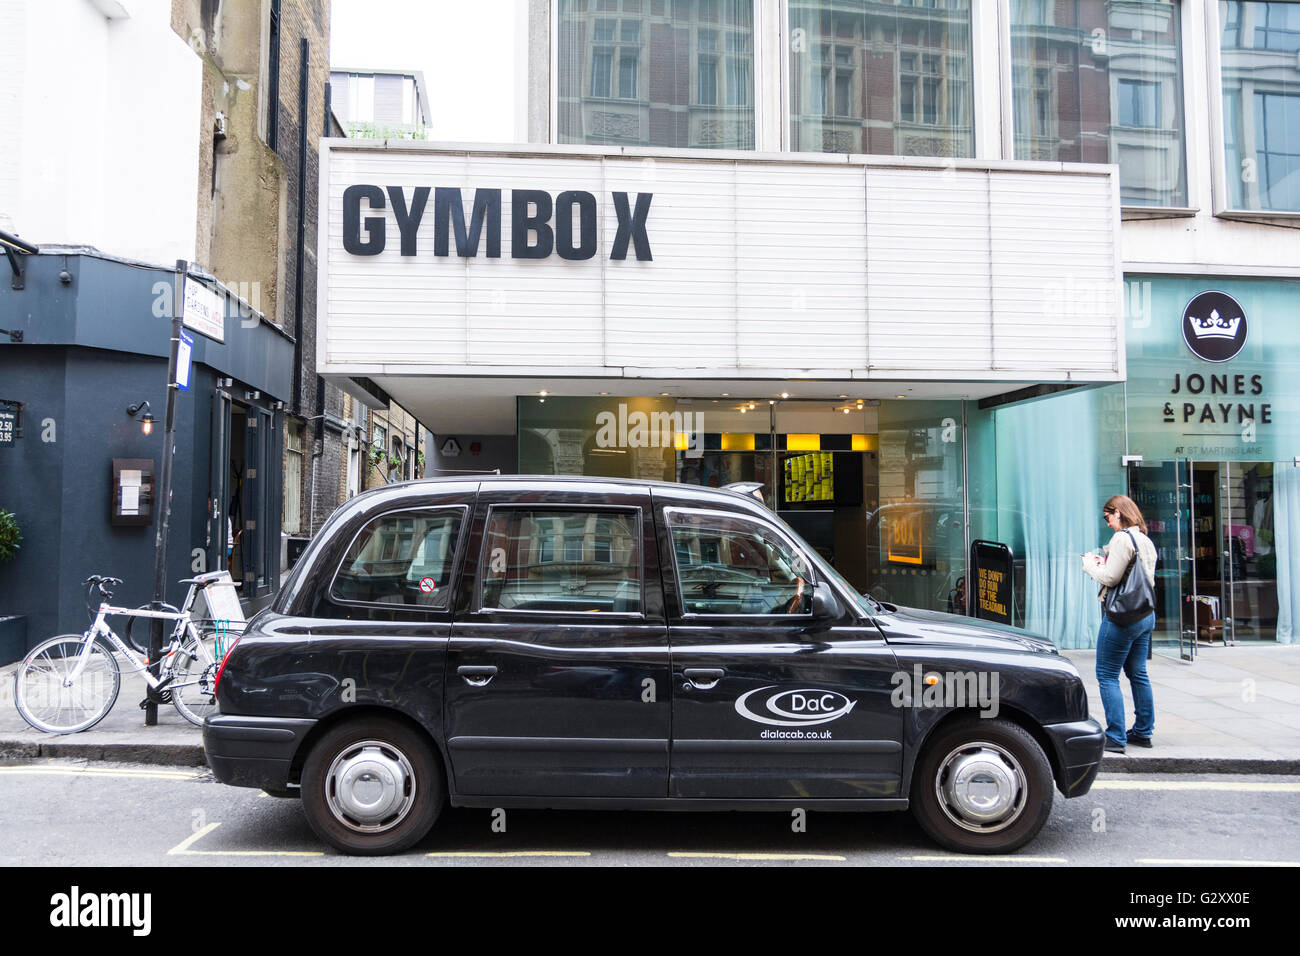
x: 372, y: 786
x: 982, y: 786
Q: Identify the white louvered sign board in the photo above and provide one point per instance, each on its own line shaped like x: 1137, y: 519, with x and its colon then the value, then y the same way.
x: 847, y: 267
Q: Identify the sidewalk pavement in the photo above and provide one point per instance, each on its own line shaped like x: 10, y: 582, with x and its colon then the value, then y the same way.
x: 1235, y: 710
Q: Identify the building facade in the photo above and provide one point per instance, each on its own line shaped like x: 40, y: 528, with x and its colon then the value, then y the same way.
x: 195, y: 139
x: 932, y: 273
x: 379, y: 104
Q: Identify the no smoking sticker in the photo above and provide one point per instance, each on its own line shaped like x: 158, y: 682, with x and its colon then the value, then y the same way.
x: 427, y: 584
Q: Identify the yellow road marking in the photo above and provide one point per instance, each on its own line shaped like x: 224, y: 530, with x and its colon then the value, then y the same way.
x: 189, y: 841
x: 986, y: 858
x: 102, y: 772
x: 183, y: 848
x: 509, y: 853
x: 682, y: 854
x: 1156, y: 862
x: 1245, y: 786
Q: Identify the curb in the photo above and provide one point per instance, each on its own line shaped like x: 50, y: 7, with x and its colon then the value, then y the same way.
x: 191, y: 755
x: 176, y: 755
x: 1280, y: 766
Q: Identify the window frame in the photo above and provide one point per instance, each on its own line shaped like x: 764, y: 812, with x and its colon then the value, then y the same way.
x: 766, y: 138
x: 812, y: 581
x: 1219, y: 172
x: 480, y: 568
x: 462, y: 535
x: 970, y: 82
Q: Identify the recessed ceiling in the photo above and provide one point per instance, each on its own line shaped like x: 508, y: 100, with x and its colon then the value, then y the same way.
x: 486, y: 406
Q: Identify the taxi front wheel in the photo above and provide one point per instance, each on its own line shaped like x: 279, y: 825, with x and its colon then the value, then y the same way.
x: 372, y: 786
x: 982, y: 786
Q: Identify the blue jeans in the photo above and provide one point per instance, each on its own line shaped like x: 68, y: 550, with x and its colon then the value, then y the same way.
x: 1125, y: 648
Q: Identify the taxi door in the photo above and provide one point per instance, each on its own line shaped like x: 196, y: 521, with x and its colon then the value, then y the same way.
x: 557, y: 672
x: 778, y: 692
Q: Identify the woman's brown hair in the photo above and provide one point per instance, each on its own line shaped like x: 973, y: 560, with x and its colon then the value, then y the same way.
x: 1130, y: 516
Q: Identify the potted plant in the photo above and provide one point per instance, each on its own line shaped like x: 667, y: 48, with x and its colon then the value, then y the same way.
x: 13, y: 627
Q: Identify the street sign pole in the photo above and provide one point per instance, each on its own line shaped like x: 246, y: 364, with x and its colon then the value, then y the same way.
x: 165, y: 490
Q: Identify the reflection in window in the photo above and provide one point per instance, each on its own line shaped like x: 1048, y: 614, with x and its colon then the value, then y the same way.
x: 676, y: 73
x: 1101, y: 82
x: 401, y: 559
x: 733, y: 566
x: 550, y: 560
x: 885, y: 79
x: 1261, y: 104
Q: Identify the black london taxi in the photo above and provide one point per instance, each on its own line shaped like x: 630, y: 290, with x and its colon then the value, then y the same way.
x: 615, y: 644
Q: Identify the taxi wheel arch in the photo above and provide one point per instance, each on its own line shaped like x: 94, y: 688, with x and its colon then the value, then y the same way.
x: 372, y: 784
x: 982, y: 785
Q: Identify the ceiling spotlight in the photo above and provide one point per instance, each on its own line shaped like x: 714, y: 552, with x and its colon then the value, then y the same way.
x: 785, y: 394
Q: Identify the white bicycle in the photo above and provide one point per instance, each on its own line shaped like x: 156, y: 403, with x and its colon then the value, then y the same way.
x: 69, y: 683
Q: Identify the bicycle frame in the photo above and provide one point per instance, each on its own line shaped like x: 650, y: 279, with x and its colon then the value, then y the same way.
x: 100, y: 628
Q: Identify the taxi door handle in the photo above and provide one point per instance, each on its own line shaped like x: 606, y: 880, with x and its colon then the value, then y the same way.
x: 703, y: 678
x: 477, y: 676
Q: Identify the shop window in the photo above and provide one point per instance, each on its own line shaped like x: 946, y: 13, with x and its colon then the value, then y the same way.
x: 1261, y: 104
x: 874, y: 78
x: 1065, y: 56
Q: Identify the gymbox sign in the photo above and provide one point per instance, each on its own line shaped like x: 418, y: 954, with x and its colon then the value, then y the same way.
x: 540, y: 225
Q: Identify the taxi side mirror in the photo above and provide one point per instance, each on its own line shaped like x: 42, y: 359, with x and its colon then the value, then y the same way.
x: 825, y: 605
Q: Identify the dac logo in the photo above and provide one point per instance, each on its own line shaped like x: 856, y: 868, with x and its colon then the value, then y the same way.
x: 1214, y: 327
x: 804, y: 707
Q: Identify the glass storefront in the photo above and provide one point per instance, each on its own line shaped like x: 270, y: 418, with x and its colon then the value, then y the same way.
x: 876, y: 488
x: 1101, y: 82
x: 676, y: 73
x: 1260, y: 65
x: 1204, y: 435
x: 882, y: 79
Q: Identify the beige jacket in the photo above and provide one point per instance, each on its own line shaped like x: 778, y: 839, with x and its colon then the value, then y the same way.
x: 1118, y: 554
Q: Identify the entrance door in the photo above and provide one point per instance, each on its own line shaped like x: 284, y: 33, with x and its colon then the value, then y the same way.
x: 219, y: 482
x: 1248, y: 555
x: 1212, y: 524
x: 1163, y: 490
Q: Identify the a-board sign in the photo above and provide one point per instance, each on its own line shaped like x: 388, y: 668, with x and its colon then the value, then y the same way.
x: 990, y: 581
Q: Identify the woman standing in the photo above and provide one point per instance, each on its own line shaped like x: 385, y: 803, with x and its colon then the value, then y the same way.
x: 1124, y: 647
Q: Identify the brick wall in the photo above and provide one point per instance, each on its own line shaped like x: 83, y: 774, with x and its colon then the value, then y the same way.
x: 248, y: 195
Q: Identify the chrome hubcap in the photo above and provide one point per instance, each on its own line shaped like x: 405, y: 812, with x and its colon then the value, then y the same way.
x: 370, y: 786
x: 981, y: 787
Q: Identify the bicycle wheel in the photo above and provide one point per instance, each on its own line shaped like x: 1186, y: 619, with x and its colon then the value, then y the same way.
x: 49, y: 700
x: 194, y: 675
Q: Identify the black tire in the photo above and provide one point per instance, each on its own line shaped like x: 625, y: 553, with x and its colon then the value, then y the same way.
x: 1013, y: 798
x: 400, y: 793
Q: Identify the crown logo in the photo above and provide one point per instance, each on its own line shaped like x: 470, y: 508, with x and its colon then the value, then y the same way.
x: 1215, y: 326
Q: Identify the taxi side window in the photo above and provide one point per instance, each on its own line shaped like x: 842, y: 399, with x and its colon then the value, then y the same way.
x: 404, y: 558
x: 728, y: 565
x: 562, y: 560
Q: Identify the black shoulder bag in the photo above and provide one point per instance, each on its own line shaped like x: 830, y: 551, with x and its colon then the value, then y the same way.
x: 1132, y: 598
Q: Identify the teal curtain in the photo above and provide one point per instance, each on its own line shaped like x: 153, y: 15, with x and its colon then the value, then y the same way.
x: 1286, y: 545
x: 1058, y: 460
